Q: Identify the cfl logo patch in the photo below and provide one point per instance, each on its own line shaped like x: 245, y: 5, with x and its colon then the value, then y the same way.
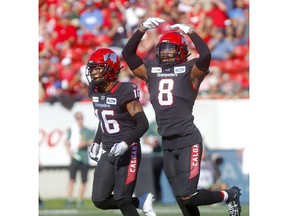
x: 95, y: 99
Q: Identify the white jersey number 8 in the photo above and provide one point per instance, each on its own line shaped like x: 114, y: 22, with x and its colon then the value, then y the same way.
x: 165, y: 96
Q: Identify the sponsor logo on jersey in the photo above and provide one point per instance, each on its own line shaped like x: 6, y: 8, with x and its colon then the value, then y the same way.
x: 156, y: 70
x: 95, y: 99
x: 180, y: 69
x: 167, y: 75
x: 111, y: 100
x: 100, y: 105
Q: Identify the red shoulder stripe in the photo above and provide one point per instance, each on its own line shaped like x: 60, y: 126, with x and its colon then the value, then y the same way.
x: 115, y: 87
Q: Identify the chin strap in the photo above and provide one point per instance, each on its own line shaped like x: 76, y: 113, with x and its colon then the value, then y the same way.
x: 99, y: 86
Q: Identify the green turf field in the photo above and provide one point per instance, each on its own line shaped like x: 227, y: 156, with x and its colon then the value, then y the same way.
x: 58, y: 208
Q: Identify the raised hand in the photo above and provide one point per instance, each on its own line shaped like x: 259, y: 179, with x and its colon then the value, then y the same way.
x: 186, y: 29
x: 152, y: 22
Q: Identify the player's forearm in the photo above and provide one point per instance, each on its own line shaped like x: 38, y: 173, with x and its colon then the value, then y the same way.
x: 142, y: 126
x: 129, y: 51
x: 203, y: 62
x: 98, y: 135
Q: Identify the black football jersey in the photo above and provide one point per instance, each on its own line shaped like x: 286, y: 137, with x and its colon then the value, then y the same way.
x: 172, y: 97
x: 110, y: 109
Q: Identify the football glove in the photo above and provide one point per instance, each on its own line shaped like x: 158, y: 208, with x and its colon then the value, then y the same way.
x: 152, y: 22
x: 186, y: 29
x: 118, y: 149
x: 93, y: 151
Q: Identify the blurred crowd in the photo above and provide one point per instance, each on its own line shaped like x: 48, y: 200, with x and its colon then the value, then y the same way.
x: 70, y: 30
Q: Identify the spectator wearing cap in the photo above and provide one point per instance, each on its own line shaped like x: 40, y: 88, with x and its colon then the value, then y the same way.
x: 91, y: 20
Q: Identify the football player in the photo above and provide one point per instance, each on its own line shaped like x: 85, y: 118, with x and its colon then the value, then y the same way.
x: 122, y: 122
x: 173, y: 83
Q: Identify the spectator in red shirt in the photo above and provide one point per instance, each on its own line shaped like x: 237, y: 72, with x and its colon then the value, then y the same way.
x: 197, y: 14
x: 64, y: 32
x: 217, y: 13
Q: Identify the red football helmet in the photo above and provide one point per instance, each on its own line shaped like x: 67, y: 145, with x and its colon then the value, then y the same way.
x: 107, y: 62
x: 172, y: 49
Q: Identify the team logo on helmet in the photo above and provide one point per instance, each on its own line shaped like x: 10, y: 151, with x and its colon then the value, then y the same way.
x: 105, y: 60
x: 112, y: 56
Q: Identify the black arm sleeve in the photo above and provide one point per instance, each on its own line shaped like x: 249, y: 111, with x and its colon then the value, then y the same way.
x: 129, y: 51
x: 141, y: 128
x: 98, y: 135
x: 203, y: 62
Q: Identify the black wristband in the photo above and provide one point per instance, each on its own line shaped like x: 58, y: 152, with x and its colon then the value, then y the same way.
x: 129, y: 51
x: 141, y: 128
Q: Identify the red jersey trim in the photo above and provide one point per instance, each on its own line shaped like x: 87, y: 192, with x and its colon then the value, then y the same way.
x: 115, y: 87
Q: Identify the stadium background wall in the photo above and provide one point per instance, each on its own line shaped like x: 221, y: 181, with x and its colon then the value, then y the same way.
x: 222, y: 124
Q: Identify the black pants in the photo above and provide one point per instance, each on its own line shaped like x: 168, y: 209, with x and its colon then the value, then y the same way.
x: 118, y: 176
